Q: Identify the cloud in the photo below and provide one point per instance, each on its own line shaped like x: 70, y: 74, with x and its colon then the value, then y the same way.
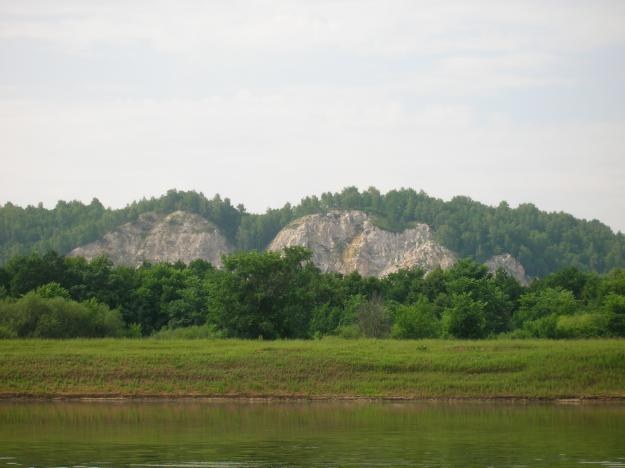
x: 266, y: 149
x: 358, y: 26
x: 267, y: 101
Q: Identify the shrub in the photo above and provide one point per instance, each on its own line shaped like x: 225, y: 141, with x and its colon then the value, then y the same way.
x: 614, y: 307
x: 6, y: 332
x: 134, y: 330
x: 465, y: 318
x: 53, y: 289
x: 351, y: 331
x: 373, y: 318
x: 544, y: 327
x: 416, y: 321
x: 548, y: 301
x: 582, y: 325
x: 325, y: 319
x: 614, y: 304
x: 56, y: 317
x: 192, y: 332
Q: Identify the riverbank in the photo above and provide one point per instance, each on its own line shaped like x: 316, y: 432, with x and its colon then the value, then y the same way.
x: 328, y: 368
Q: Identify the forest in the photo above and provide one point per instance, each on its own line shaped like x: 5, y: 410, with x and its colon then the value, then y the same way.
x: 543, y: 242
x: 276, y: 295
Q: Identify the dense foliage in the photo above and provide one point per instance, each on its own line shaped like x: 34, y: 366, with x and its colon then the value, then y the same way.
x: 283, y: 295
x: 543, y: 242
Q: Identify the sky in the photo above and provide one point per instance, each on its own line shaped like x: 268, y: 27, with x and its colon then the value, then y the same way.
x: 266, y: 102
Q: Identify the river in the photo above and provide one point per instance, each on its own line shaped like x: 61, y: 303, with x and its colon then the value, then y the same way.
x: 296, y: 433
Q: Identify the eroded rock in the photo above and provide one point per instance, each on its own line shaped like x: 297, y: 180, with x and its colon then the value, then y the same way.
x: 160, y: 238
x: 347, y: 241
x: 509, y: 264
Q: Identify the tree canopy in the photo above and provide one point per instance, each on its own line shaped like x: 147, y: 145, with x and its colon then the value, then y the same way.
x: 282, y: 294
x: 543, y: 242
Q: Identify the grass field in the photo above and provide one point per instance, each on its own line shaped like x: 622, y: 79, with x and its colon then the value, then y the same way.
x: 324, y: 368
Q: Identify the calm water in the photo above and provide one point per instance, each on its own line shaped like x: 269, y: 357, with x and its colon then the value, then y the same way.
x: 205, y: 434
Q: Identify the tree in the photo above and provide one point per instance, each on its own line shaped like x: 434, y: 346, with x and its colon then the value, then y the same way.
x: 614, y: 307
x: 374, y: 320
x: 540, y: 304
x: 465, y: 318
x: 266, y: 295
x: 416, y: 321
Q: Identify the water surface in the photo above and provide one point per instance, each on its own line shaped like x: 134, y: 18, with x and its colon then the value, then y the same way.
x: 205, y: 434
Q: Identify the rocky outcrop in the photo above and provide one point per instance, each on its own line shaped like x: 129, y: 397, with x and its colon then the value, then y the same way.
x: 347, y: 241
x: 160, y: 238
x: 509, y: 264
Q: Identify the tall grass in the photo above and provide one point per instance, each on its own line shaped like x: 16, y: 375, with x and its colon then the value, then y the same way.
x: 318, y: 368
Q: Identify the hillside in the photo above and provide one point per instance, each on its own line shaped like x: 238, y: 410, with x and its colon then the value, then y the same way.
x: 179, y: 236
x: 543, y: 242
x: 346, y: 241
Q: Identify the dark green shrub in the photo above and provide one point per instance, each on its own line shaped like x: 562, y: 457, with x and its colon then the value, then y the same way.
x: 349, y: 331
x: 465, y: 318
x: 545, y: 302
x: 374, y: 320
x: 186, y: 333
x: 53, y: 289
x: 36, y: 316
x: 6, y: 332
x: 134, y: 330
x: 325, y: 319
x: 544, y: 327
x: 614, y: 307
x: 416, y: 321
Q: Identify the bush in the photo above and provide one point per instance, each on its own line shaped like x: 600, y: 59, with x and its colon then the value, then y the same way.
x: 325, y: 320
x: 548, y: 301
x: 56, y: 317
x: 582, y: 325
x: 134, y: 330
x: 614, y: 307
x: 53, y: 289
x: 465, y: 318
x: 416, y: 321
x: 544, y: 327
x: 373, y: 319
x: 6, y: 332
x: 193, y: 332
x: 349, y: 332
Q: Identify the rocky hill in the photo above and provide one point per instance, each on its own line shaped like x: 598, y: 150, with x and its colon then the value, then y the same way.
x: 510, y: 264
x: 160, y: 238
x: 346, y: 241
x: 341, y: 241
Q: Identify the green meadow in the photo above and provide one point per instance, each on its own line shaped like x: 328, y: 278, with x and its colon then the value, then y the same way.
x: 326, y: 368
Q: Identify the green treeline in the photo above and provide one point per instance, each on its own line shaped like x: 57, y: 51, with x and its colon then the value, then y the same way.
x: 283, y: 295
x: 543, y: 242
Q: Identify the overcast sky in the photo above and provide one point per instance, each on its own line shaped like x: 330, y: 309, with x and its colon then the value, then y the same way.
x: 268, y: 101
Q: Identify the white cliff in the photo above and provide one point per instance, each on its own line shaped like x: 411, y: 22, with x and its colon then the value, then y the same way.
x: 160, y: 238
x: 346, y: 241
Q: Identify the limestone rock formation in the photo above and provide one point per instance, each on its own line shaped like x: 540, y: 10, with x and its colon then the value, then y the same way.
x: 346, y: 241
x: 160, y: 238
x: 510, y: 264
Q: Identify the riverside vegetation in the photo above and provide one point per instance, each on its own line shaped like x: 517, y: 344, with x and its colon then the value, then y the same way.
x: 276, y: 295
x: 273, y: 295
x: 330, y: 367
x: 336, y: 325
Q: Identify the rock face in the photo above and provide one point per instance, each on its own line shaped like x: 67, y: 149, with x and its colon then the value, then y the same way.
x: 347, y: 241
x: 510, y: 264
x: 160, y: 238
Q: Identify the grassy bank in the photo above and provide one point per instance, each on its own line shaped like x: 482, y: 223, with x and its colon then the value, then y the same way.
x: 326, y: 368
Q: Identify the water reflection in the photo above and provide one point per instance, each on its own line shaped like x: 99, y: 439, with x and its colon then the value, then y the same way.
x: 203, y: 434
